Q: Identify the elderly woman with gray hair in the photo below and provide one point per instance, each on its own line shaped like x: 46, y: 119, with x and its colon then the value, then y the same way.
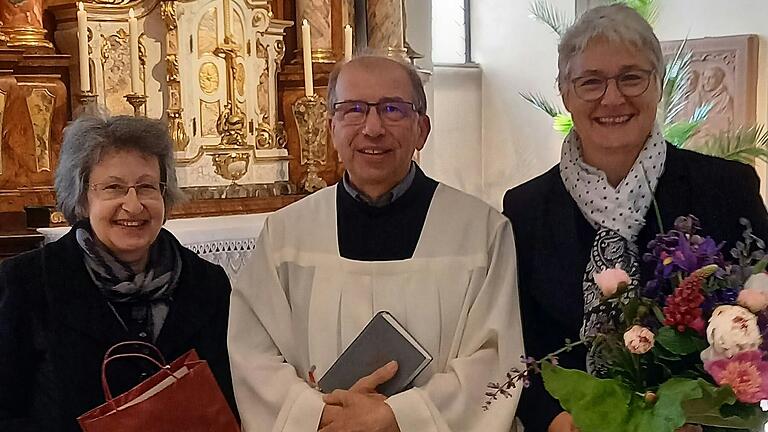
x: 593, y: 210
x: 117, y: 275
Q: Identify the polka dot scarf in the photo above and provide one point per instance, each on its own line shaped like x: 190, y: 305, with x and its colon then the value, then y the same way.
x: 618, y: 214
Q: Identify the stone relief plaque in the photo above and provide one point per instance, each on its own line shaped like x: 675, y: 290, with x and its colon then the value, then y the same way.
x: 723, y: 74
x: 209, y: 78
x: 209, y: 114
x: 207, y: 31
x: 40, y: 105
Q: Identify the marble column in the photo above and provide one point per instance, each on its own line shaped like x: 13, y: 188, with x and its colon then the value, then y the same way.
x: 386, y: 27
x: 22, y: 25
x: 318, y: 13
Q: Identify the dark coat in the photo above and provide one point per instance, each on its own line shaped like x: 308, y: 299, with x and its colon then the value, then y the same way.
x: 553, y: 240
x: 55, y: 327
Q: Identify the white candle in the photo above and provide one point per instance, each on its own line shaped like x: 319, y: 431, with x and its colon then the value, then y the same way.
x: 82, y: 47
x: 347, y: 42
x: 133, y: 39
x: 309, y: 87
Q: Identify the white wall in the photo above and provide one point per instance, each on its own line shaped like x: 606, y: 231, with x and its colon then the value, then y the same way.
x: 702, y: 18
x: 516, y: 54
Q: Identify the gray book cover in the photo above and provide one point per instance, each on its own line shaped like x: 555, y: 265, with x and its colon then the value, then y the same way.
x: 382, y: 340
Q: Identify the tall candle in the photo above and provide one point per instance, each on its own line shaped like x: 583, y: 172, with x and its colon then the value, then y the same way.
x: 347, y: 42
x: 82, y: 47
x: 133, y: 33
x: 307, y: 53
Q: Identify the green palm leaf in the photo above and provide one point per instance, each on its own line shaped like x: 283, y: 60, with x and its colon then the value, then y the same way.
x: 676, y: 91
x: 563, y: 123
x: 648, y: 9
x: 539, y: 101
x: 542, y: 11
x: 744, y: 144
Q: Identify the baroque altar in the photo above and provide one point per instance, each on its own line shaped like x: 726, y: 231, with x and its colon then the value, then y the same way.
x: 231, y: 78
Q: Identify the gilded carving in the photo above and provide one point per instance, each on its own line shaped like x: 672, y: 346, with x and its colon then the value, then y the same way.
x: 177, y: 131
x: 260, y: 21
x: 261, y: 50
x: 172, y: 67
x: 2, y: 111
x: 231, y: 126
x: 208, y: 77
x: 240, y: 79
x: 310, y: 115
x: 111, y: 2
x: 279, y: 54
x: 168, y: 12
x: 231, y: 166
x: 115, y: 61
x: 207, y: 30
x: 264, y: 139
x: 209, y: 114
x: 40, y: 105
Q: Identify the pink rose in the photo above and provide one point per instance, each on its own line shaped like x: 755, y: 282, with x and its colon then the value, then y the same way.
x: 638, y: 339
x: 611, y: 280
x: 753, y: 299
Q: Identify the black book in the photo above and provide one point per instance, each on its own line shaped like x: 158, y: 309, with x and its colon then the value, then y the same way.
x: 382, y: 340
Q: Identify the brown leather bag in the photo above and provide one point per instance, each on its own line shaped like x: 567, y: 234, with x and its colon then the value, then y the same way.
x: 182, y: 396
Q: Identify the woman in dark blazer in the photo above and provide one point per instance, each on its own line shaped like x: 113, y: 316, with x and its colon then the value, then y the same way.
x: 610, y: 69
x: 116, y: 276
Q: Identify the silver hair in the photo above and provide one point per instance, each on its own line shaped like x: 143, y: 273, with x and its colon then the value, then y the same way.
x: 417, y: 86
x: 89, y: 138
x: 617, y: 23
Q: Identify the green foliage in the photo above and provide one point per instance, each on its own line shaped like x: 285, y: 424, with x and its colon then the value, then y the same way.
x: 744, y: 144
x: 648, y: 9
x: 544, y: 12
x: 678, y: 133
x: 540, y: 102
x: 563, y: 123
x: 678, y: 343
x: 607, y: 405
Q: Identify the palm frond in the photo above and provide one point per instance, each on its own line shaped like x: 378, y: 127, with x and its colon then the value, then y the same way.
x: 744, y: 144
x: 542, y: 11
x: 678, y: 133
x: 539, y: 101
x: 676, y: 86
x: 701, y: 112
x: 648, y: 9
x: 563, y: 123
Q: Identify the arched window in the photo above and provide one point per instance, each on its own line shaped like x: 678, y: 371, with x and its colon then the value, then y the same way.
x: 450, y: 32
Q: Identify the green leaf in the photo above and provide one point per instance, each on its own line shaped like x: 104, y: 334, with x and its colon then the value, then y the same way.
x: 539, y: 101
x: 563, y: 123
x: 680, y: 343
x: 542, y: 11
x: 743, y: 144
x: 679, y: 132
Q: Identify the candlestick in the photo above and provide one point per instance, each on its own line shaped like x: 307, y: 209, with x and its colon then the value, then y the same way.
x: 133, y: 33
x: 82, y: 46
x: 307, y: 53
x: 347, y: 42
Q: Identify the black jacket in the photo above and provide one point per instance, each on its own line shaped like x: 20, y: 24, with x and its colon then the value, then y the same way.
x: 553, y: 241
x: 55, y: 327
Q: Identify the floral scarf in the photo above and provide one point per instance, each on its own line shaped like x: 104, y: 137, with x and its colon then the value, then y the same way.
x: 149, y: 292
x: 618, y: 214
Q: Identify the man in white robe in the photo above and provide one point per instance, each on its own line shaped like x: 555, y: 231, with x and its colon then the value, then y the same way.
x: 385, y: 238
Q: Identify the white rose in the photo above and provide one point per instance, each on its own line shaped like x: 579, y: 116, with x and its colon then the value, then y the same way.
x: 731, y: 330
x: 638, y: 339
x: 757, y: 281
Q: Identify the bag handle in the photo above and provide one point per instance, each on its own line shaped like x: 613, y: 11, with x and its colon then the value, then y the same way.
x: 140, y: 343
x: 109, y: 357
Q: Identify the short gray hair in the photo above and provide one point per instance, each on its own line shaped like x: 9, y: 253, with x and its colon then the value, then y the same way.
x: 617, y: 23
x: 417, y: 86
x: 88, y: 138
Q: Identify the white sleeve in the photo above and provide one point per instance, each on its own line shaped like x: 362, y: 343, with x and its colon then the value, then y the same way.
x: 270, y: 395
x: 490, y: 344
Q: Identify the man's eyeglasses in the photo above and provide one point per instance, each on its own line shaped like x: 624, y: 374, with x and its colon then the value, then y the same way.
x: 630, y: 84
x: 150, y: 191
x: 355, y: 112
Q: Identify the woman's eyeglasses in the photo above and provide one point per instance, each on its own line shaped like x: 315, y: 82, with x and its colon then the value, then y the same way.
x: 630, y: 84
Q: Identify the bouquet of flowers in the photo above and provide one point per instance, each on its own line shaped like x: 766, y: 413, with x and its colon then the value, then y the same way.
x: 690, y: 347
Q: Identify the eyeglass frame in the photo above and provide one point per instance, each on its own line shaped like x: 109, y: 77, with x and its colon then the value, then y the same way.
x: 162, y: 187
x: 614, y: 78
x: 377, y: 105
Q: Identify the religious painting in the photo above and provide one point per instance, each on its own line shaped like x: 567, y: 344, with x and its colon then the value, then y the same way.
x: 724, y: 76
